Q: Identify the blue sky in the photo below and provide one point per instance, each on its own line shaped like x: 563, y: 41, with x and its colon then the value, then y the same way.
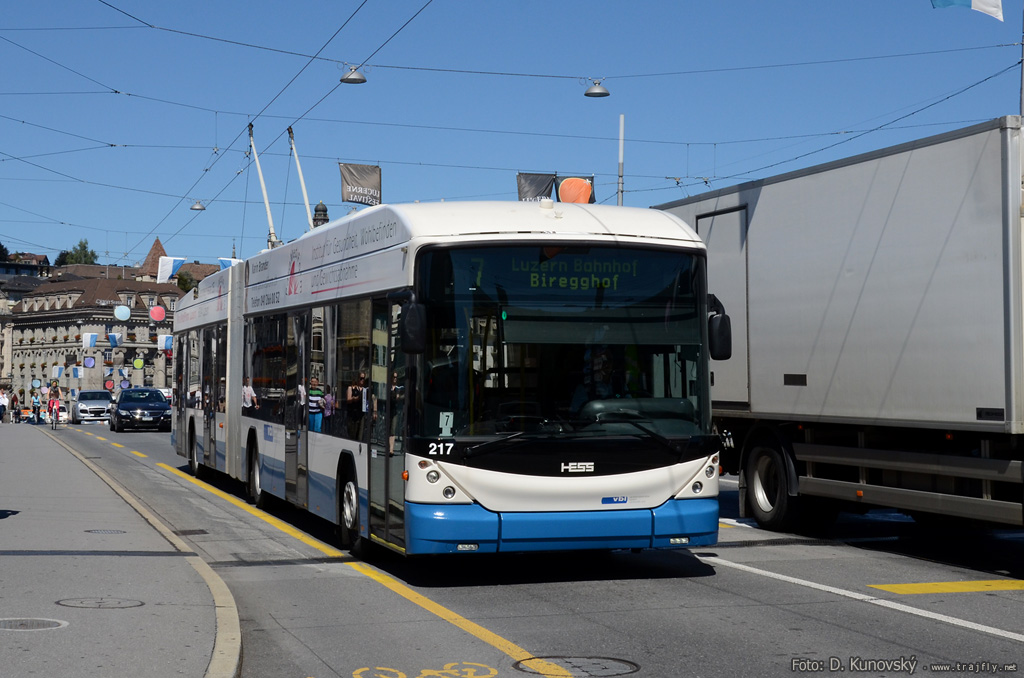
x: 117, y: 115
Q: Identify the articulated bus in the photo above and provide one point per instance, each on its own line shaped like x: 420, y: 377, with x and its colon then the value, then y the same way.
x: 465, y: 377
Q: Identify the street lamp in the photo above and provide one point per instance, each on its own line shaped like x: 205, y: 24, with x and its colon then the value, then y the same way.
x: 353, y: 77
x: 597, y: 89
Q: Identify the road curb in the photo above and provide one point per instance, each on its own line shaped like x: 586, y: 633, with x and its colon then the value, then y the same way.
x: 226, y: 661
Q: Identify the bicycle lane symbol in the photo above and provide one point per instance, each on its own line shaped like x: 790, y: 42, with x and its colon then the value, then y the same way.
x: 452, y: 670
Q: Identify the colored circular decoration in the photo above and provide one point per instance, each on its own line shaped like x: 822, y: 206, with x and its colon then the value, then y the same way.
x: 36, y: 383
x: 108, y: 384
x: 89, y: 362
x: 157, y: 313
x: 125, y: 383
x: 44, y: 390
x: 138, y: 363
x: 122, y: 312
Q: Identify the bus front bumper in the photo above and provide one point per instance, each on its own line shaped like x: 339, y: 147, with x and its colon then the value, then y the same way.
x: 678, y: 523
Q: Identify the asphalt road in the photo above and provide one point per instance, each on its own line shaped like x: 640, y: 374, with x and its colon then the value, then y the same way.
x: 874, y: 596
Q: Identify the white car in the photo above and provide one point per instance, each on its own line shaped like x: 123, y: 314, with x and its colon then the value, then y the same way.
x: 63, y: 416
x: 91, y: 405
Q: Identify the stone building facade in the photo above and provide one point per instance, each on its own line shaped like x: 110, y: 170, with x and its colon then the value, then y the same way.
x: 43, y: 336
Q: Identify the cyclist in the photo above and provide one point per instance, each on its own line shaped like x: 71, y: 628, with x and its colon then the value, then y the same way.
x: 53, y: 407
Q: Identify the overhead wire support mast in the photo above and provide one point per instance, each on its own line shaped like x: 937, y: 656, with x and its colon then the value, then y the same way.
x: 272, y: 240
x: 302, y: 182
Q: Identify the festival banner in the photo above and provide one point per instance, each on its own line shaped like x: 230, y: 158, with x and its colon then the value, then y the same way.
x: 360, y: 183
x: 533, y: 187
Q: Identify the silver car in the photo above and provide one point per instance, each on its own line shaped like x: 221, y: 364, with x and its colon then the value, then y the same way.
x: 91, y: 406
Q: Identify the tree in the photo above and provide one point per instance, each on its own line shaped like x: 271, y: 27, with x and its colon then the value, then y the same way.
x: 62, y: 258
x: 81, y: 254
x: 186, y: 282
x: 4, y: 254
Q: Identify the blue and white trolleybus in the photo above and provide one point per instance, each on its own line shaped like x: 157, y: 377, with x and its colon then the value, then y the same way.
x: 466, y: 377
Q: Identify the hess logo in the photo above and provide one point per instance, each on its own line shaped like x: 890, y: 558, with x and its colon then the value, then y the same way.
x: 578, y: 467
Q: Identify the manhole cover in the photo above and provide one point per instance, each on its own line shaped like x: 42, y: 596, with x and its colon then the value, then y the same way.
x: 105, y: 531
x: 100, y: 603
x: 583, y: 667
x: 31, y: 624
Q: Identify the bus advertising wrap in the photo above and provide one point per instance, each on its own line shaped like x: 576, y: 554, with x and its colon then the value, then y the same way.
x: 324, y: 263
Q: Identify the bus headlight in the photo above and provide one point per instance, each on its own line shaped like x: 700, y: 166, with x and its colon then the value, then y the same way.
x: 710, y: 471
x: 448, y: 492
x: 433, y: 476
x: 697, y: 487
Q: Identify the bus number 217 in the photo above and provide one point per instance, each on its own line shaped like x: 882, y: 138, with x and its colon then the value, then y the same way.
x: 441, y: 448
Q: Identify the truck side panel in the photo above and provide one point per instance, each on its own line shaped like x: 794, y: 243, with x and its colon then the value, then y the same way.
x: 880, y: 302
x: 877, y: 290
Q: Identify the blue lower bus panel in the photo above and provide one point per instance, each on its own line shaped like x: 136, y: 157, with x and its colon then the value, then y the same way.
x: 433, y: 528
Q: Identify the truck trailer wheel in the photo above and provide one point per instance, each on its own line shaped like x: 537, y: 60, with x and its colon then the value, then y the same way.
x: 768, y: 488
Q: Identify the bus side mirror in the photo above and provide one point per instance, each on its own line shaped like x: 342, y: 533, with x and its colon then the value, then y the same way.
x: 720, y: 337
x: 719, y: 330
x: 412, y: 328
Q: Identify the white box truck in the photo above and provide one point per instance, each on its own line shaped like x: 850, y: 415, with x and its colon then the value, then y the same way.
x: 877, y: 309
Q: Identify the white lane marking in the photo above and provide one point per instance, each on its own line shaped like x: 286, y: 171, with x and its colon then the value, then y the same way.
x: 881, y: 602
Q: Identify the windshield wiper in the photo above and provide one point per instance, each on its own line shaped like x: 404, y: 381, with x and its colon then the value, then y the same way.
x: 654, y: 435
x: 491, y: 445
x: 675, y: 448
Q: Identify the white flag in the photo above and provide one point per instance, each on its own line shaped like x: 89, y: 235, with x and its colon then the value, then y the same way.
x: 990, y: 7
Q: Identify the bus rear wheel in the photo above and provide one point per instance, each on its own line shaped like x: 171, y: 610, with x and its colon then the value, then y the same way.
x: 193, y: 461
x: 348, y: 513
x: 256, y: 494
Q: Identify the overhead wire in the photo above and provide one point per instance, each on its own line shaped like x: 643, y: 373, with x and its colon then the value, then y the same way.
x: 884, y: 125
x: 366, y: 62
x: 723, y: 69
x: 241, y: 132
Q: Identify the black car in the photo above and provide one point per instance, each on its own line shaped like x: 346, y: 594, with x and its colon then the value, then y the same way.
x: 140, y: 408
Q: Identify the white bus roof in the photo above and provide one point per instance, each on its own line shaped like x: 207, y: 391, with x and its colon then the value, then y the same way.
x: 548, y: 218
x: 334, y: 260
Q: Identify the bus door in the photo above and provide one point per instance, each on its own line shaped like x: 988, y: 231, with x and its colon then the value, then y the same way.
x: 179, y: 395
x: 208, y: 437
x: 387, y: 462
x: 296, y: 464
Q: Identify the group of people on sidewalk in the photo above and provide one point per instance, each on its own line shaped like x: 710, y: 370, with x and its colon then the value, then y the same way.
x: 10, y: 403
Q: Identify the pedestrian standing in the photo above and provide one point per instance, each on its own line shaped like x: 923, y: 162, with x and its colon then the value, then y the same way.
x: 316, y: 396
x: 328, y: 408
x: 249, y: 400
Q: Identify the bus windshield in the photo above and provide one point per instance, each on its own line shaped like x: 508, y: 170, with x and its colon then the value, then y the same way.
x: 531, y: 345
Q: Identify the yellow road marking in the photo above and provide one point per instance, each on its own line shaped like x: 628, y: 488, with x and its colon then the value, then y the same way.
x: 541, y: 667
x: 954, y: 586
x: 139, y: 454
x: 265, y: 517
x: 725, y: 525
x: 100, y: 438
x: 517, y: 653
x: 117, y: 444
